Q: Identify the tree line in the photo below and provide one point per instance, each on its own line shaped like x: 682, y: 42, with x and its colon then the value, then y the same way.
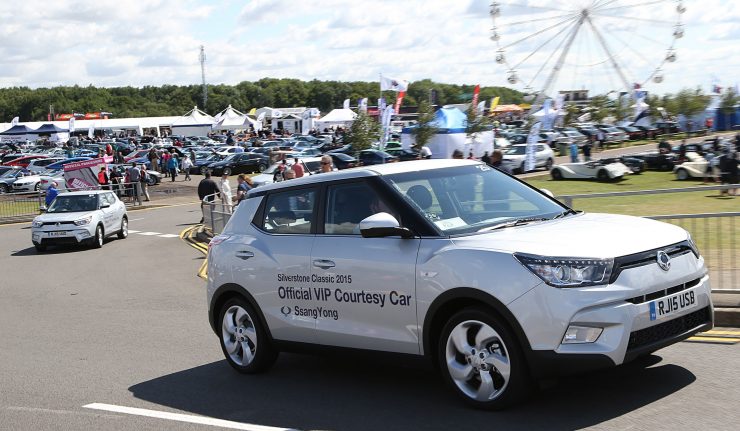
x: 170, y: 100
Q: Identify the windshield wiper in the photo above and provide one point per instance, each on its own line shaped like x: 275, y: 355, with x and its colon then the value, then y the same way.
x: 518, y: 222
x: 567, y: 212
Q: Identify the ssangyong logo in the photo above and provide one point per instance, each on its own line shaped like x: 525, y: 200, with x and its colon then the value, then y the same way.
x: 285, y: 310
x: 664, y: 261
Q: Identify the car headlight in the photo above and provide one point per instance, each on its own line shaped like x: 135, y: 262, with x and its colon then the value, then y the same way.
x: 37, y: 223
x: 694, y: 247
x: 568, y: 272
x: 83, y: 221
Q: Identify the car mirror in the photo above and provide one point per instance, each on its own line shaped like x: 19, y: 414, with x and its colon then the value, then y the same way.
x: 382, y: 225
x: 547, y: 192
x: 102, y: 206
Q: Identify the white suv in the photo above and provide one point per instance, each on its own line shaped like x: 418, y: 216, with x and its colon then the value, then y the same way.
x: 515, y: 157
x: 80, y: 217
x: 456, y: 261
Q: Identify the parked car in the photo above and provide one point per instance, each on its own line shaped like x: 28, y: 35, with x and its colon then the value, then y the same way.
x: 80, y: 217
x: 241, y: 163
x: 656, y: 160
x: 633, y: 133
x: 40, y: 165
x: 514, y: 158
x: 27, y: 183
x: 649, y: 131
x: 602, y: 170
x: 667, y: 126
x: 24, y: 161
x: 694, y: 167
x: 498, y: 288
x: 10, y: 176
x: 637, y: 166
x: 375, y: 157
x: 311, y: 166
x: 343, y: 161
x: 577, y: 137
x: 403, y: 154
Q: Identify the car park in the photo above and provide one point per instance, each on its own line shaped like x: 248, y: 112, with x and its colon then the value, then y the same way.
x: 602, y: 170
x: 80, y: 217
x: 497, y: 287
x: 667, y: 127
x: 311, y: 166
x: 514, y: 157
x: 633, y: 133
x: 28, y: 183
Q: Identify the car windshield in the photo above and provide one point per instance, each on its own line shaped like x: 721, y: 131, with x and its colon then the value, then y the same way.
x: 73, y: 203
x: 470, y: 199
x: 519, y: 150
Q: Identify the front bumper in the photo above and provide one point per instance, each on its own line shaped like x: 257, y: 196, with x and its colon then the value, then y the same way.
x: 30, y: 187
x: 63, y: 234
x: 622, y: 310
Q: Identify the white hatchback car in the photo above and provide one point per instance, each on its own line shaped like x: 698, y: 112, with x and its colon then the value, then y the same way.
x: 80, y: 217
x: 515, y: 156
x: 453, y: 260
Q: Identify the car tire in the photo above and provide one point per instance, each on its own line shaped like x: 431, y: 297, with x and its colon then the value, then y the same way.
x: 123, y: 233
x: 227, y: 171
x: 261, y: 168
x: 482, y: 361
x: 37, y: 187
x: 521, y: 168
x: 682, y: 174
x: 3, y: 189
x: 244, y: 340
x: 548, y: 164
x: 40, y: 248
x: 602, y: 175
x: 99, y: 237
x: 556, y: 174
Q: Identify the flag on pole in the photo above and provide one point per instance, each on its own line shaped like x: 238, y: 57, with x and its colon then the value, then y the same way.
x: 476, y: 93
x: 385, y: 123
x: 399, y: 100
x: 381, y: 105
x: 253, y: 111
x: 362, y: 104
x: 14, y: 122
x: 481, y: 107
x: 71, y: 124
x: 494, y: 103
x: 393, y: 84
x: 530, y: 159
x: 345, y: 105
x: 91, y: 132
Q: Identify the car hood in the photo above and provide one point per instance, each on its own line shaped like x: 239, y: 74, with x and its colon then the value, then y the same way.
x: 583, y: 235
x: 59, y: 217
x: 28, y: 179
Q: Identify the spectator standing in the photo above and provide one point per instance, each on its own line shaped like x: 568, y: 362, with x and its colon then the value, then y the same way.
x: 226, y: 193
x: 297, y: 168
x: 497, y: 161
x: 153, y: 159
x: 601, y: 136
x: 144, y: 181
x: 208, y: 190
x: 728, y: 166
x: 186, y: 165
x: 163, y: 160
x: 103, y: 178
x: 108, y: 149
x: 486, y: 158
x: 134, y: 178
x: 245, y: 185
x: 172, y: 163
x: 325, y: 163
x: 587, y: 151
x: 51, y: 193
x: 573, y: 152
x: 425, y: 152
x: 289, y: 174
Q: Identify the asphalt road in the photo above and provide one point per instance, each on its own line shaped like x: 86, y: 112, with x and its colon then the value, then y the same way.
x: 126, y: 325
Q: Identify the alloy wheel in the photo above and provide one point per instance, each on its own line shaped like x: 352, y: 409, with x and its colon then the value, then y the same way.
x: 239, y: 335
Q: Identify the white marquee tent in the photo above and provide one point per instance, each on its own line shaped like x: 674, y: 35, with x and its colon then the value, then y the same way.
x: 231, y: 119
x: 451, y: 123
x: 337, y: 117
x: 194, y: 123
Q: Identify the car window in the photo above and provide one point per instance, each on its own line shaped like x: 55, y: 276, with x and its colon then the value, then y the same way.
x: 348, y: 204
x: 540, y: 148
x: 290, y: 212
x: 110, y: 197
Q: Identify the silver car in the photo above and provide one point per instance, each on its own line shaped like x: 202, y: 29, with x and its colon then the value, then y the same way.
x: 79, y: 218
x: 493, y: 280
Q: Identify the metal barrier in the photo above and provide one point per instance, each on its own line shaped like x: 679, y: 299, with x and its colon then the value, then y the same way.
x: 215, y: 213
x: 715, y: 234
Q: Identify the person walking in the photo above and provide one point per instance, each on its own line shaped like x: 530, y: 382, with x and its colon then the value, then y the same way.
x: 134, y: 179
x: 163, y: 160
x: 245, y: 185
x: 297, y: 168
x: 208, y: 190
x: 226, y: 193
x: 187, y: 164
x: 172, y: 164
x: 144, y: 181
x: 153, y: 159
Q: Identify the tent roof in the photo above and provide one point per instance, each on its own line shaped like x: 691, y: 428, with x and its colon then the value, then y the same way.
x: 230, y: 118
x: 507, y: 108
x: 195, y: 117
x: 49, y: 128
x: 18, y: 129
x: 450, y: 117
x: 338, y: 116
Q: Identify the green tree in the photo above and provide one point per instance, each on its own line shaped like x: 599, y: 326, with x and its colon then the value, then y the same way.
x: 476, y: 123
x: 572, y: 112
x: 363, y: 133
x: 598, y: 107
x: 425, y: 128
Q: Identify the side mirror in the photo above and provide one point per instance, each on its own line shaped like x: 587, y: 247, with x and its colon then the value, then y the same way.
x: 381, y: 225
x: 102, y: 206
x: 547, y: 192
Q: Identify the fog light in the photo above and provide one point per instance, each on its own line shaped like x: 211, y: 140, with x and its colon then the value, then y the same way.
x: 85, y: 234
x: 581, y: 334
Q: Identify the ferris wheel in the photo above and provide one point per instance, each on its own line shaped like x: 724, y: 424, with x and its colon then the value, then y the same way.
x: 604, y: 46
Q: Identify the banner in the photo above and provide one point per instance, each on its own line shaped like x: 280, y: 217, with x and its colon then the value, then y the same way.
x: 399, y: 100
x: 548, y: 115
x: 252, y: 111
x: 71, y: 124
x: 258, y: 124
x: 83, y: 175
x: 91, y: 132
x: 530, y: 159
x: 385, y: 123
x: 14, y: 122
x: 381, y: 105
x: 476, y: 93
x: 481, y: 107
x: 494, y: 103
x: 393, y: 84
x: 362, y: 104
x: 345, y: 105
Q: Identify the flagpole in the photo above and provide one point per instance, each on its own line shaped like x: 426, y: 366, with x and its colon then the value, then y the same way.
x: 380, y: 86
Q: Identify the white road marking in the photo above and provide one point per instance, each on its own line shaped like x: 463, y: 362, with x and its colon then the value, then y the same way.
x: 201, y: 420
x: 168, y: 235
x: 137, y: 219
x: 60, y: 412
x: 133, y: 231
x: 148, y: 233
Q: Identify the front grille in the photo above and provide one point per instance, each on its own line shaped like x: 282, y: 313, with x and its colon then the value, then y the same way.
x: 647, y: 258
x: 54, y: 223
x: 665, y: 292
x: 668, y: 329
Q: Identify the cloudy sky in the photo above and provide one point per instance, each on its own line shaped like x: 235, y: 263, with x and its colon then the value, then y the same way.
x: 140, y: 42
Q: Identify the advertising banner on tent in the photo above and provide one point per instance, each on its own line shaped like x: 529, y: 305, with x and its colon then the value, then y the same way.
x: 531, y: 153
x: 83, y: 175
x: 71, y: 124
x: 14, y: 122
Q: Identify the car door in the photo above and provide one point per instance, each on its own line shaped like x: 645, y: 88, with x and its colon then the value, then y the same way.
x: 272, y: 261
x: 119, y: 209
x: 107, y: 212
x: 541, y: 155
x: 365, y: 287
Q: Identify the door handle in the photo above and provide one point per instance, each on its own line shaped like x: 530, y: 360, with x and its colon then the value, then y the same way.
x: 323, y: 263
x: 244, y: 254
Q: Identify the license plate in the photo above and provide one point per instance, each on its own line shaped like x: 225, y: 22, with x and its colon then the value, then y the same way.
x: 61, y: 233
x: 670, y: 305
